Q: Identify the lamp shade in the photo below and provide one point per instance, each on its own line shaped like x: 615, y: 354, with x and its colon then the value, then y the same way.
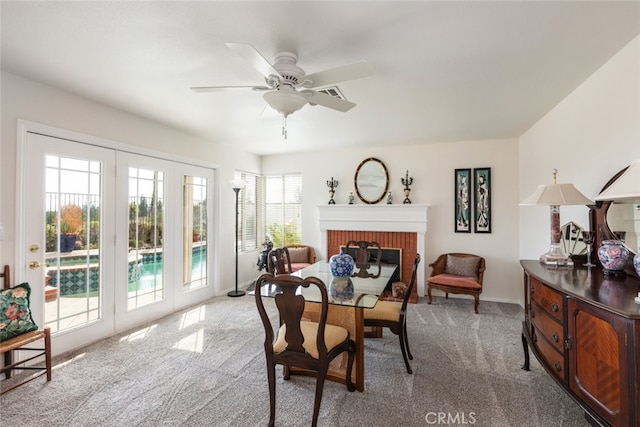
x: 237, y: 183
x: 626, y: 187
x: 285, y: 100
x: 557, y: 195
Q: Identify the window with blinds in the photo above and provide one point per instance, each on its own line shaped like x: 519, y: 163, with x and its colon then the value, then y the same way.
x: 283, y: 209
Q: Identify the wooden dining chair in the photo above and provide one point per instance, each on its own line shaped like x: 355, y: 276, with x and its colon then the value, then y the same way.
x: 300, y: 343
x: 15, y: 346
x: 392, y: 315
x: 363, y: 258
x: 279, y: 261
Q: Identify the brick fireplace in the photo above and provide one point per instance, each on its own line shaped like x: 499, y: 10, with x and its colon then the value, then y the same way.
x: 401, y: 227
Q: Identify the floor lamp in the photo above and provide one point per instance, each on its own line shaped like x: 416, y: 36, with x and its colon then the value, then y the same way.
x: 237, y: 186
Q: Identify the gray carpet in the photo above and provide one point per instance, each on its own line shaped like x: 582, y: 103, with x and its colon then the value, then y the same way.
x: 204, y: 366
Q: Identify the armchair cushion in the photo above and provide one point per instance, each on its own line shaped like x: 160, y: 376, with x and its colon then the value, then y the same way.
x: 298, y: 254
x: 455, y: 280
x: 462, y: 266
x: 15, y: 313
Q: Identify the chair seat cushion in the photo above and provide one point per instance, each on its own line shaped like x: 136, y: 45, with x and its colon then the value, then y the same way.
x: 295, y: 266
x: 333, y: 336
x: 384, y: 310
x: 463, y: 282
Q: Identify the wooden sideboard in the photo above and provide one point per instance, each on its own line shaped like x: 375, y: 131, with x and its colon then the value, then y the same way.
x: 584, y: 328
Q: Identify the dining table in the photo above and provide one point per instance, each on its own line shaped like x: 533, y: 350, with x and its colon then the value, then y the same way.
x: 346, y: 311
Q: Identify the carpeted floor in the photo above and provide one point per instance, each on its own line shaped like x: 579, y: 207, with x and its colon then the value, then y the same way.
x: 204, y: 366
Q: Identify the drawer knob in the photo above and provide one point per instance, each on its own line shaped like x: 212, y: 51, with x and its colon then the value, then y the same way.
x: 554, y: 307
x: 557, y: 366
x: 556, y: 338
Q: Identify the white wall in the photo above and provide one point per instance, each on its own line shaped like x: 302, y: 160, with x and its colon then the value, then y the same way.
x: 432, y: 168
x: 28, y: 100
x: 588, y: 137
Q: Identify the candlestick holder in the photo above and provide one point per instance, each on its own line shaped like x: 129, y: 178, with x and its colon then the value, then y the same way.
x: 332, y: 184
x: 588, y: 237
x: 406, y: 181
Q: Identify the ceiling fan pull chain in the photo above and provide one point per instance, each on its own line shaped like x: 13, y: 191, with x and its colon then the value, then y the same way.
x: 284, y: 126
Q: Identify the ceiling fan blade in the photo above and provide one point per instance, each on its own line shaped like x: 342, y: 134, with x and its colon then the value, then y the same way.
x: 220, y: 88
x: 318, y: 98
x: 353, y: 71
x: 258, y: 62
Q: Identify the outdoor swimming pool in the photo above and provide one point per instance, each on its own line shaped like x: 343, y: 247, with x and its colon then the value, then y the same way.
x: 144, y: 271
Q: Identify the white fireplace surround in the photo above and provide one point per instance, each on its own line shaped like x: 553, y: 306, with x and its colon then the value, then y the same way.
x: 387, y: 218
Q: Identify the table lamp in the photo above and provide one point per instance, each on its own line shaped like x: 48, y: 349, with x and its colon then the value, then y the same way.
x: 556, y: 195
x: 627, y: 188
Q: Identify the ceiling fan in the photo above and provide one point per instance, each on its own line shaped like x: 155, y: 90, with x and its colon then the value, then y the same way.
x: 288, y: 88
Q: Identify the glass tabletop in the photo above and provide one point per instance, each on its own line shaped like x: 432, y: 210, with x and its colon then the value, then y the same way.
x: 364, y: 294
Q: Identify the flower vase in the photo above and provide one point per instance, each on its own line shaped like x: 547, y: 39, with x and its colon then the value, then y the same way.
x: 613, y: 256
x: 636, y: 263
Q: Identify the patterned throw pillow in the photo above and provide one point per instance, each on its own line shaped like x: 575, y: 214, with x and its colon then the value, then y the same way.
x: 462, y: 266
x: 15, y: 313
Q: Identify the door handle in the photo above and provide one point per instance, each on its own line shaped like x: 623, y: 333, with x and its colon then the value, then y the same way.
x: 35, y: 264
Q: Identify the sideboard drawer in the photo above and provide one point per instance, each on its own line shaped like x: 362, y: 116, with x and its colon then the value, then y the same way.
x: 548, y: 299
x: 552, y: 358
x: 547, y: 326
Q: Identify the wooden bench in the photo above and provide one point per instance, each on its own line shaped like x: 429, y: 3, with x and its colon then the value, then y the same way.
x: 7, y: 349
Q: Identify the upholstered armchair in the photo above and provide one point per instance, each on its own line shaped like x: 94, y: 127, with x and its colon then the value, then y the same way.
x: 301, y: 256
x: 457, y: 273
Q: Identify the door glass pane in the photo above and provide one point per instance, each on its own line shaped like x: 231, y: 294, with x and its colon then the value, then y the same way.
x: 145, y: 263
x: 72, y: 236
x: 194, y: 240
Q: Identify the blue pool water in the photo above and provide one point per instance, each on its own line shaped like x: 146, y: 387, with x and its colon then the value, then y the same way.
x: 149, y: 274
x: 145, y: 274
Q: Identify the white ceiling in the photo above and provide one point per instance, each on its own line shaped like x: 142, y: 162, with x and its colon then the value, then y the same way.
x: 444, y: 71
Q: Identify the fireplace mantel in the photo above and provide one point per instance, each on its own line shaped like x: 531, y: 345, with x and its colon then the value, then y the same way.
x: 410, y: 218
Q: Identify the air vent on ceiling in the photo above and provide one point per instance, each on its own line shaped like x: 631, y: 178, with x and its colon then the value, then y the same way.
x: 332, y: 91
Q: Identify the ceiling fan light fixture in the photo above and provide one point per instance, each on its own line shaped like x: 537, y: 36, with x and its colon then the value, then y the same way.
x: 285, y: 100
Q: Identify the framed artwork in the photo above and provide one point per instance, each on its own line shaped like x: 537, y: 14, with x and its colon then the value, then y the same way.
x: 482, y: 200
x: 463, y: 200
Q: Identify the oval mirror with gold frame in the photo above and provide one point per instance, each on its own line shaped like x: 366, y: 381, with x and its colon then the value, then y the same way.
x: 371, y: 180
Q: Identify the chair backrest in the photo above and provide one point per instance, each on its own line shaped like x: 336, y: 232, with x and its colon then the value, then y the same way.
x: 363, y: 257
x: 291, y: 308
x: 412, y: 283
x: 439, y: 266
x: 278, y: 261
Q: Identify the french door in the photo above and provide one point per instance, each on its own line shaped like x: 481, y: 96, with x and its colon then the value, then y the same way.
x: 110, y: 239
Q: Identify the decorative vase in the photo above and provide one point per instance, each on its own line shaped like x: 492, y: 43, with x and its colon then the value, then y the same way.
x: 341, y: 265
x: 341, y: 288
x: 636, y: 263
x: 613, y: 257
